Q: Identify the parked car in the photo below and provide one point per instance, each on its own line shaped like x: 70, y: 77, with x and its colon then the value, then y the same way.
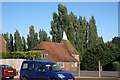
x: 43, y: 70
x: 7, y: 71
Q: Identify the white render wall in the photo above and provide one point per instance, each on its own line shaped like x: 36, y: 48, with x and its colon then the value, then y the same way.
x: 15, y: 63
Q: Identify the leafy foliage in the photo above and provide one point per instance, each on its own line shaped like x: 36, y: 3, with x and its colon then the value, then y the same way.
x: 116, y: 66
x: 28, y: 55
x: 105, y: 53
x: 116, y: 41
x: 79, y: 32
x: 43, y: 36
x: 32, y: 39
x: 18, y: 42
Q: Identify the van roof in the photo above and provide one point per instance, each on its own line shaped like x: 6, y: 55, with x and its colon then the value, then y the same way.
x: 38, y: 61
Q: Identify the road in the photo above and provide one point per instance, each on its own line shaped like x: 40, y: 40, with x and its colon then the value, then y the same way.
x: 81, y: 79
x: 92, y: 75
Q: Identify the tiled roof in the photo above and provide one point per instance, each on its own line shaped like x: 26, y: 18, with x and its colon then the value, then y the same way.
x: 56, y: 51
x: 67, y: 45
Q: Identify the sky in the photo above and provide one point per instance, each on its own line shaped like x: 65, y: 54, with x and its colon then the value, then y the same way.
x: 21, y: 15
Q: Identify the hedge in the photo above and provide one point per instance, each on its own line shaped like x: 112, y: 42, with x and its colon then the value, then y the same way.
x: 29, y: 55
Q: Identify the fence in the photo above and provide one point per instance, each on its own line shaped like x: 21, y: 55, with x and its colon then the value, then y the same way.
x: 96, y: 73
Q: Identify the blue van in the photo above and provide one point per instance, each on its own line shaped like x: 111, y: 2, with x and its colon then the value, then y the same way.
x: 43, y: 70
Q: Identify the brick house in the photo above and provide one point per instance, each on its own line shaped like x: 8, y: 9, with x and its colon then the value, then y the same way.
x: 63, y: 53
x: 2, y: 44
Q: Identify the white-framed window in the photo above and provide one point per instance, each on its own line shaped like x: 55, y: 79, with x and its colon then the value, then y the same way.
x: 44, y: 56
x: 74, y: 64
x: 61, y: 64
x: 74, y: 55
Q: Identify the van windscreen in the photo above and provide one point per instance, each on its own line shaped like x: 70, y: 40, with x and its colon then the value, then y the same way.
x: 53, y: 67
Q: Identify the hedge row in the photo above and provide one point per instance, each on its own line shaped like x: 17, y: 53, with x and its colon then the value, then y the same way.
x: 29, y: 55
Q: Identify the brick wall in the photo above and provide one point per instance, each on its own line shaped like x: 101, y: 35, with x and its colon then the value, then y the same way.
x: 68, y: 66
x: 2, y: 44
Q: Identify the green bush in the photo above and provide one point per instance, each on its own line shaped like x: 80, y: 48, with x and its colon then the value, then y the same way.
x: 29, y: 55
x: 105, y: 53
x: 116, y: 66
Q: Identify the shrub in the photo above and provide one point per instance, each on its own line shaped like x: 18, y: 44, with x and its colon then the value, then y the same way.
x: 105, y: 53
x: 29, y: 55
x: 116, y: 66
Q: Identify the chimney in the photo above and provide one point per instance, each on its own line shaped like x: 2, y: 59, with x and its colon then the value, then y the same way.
x: 64, y: 36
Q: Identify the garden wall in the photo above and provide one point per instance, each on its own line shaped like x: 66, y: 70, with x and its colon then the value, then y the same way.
x: 15, y: 63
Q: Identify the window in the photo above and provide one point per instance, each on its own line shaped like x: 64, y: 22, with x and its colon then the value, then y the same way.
x: 74, y: 64
x: 44, y: 56
x: 31, y: 66
x: 25, y: 66
x: 53, y: 67
x: 28, y: 66
x: 40, y: 68
x: 6, y: 67
x: 61, y: 64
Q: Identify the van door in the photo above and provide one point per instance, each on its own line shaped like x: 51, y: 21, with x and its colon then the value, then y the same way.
x: 31, y: 71
x: 41, y: 73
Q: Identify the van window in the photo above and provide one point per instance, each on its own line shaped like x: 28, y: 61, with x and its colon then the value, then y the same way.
x: 28, y: 66
x: 53, y: 67
x: 31, y: 67
x: 40, y: 68
x: 25, y: 66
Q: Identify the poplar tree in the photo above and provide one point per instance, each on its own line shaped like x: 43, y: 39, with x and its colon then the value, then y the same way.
x: 43, y: 36
x: 11, y: 43
x: 90, y: 36
x: 32, y: 39
x: 24, y: 44
x: 59, y: 23
x: 95, y: 35
x: 18, y: 42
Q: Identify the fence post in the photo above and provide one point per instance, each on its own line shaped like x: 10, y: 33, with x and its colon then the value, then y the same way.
x: 79, y: 68
x: 99, y: 70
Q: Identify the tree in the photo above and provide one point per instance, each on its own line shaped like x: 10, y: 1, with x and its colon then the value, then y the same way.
x: 6, y: 37
x: 116, y: 41
x: 100, y: 40
x: 24, y: 44
x: 18, y: 42
x: 43, y: 36
x: 32, y: 39
x: 92, y: 33
x: 59, y: 23
x: 11, y: 43
x: 70, y: 33
x: 104, y: 52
